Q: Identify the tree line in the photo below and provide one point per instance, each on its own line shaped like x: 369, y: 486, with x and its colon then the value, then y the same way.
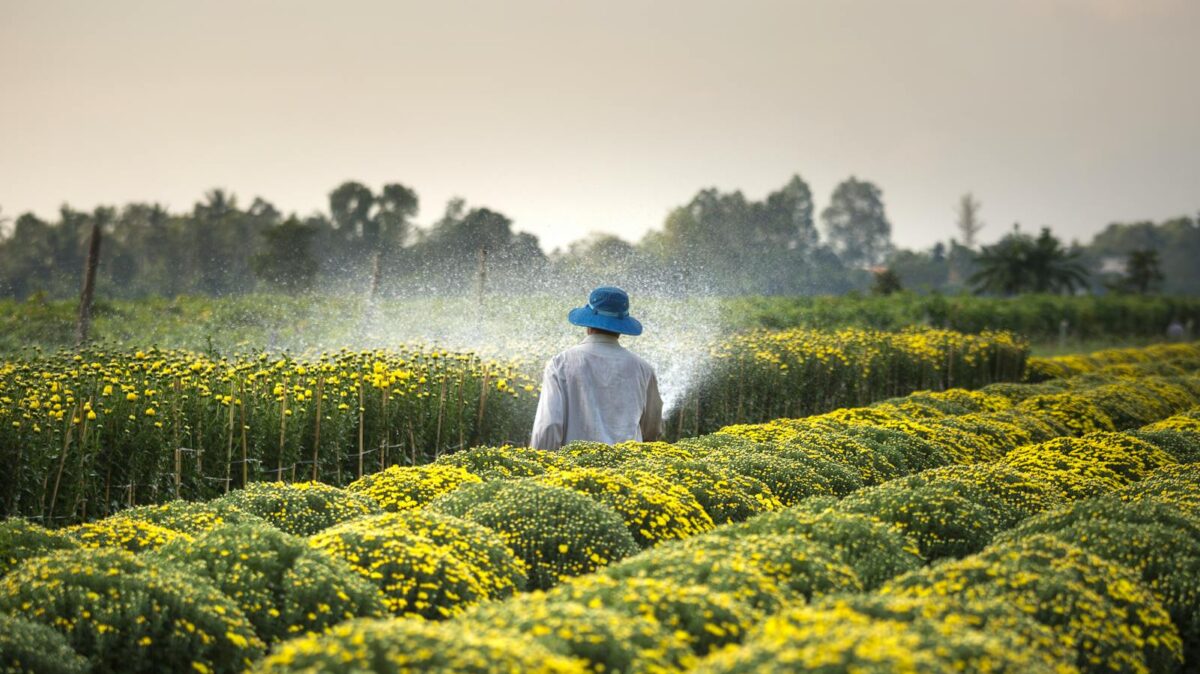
x: 718, y: 243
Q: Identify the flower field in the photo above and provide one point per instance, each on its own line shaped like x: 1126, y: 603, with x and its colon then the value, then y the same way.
x: 1047, y: 527
x: 86, y: 434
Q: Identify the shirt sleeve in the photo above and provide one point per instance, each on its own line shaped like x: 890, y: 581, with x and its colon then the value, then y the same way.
x: 652, y: 421
x: 550, y: 421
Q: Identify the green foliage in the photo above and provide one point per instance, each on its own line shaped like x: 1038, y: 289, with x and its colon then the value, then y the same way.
x: 789, y: 480
x: 584, y: 454
x: 126, y: 534
x: 27, y: 647
x: 1182, y: 445
x: 653, y: 509
x: 726, y: 495
x: 856, y: 224
x: 1178, y: 485
x: 398, y: 488
x: 404, y: 646
x: 426, y: 564
x: 21, y: 539
x: 1147, y: 536
x: 126, y: 615
x: 188, y: 517
x: 874, y: 550
x: 284, y: 586
x: 607, y: 640
x: 710, y: 619
x: 1019, y: 263
x: 859, y: 633
x: 556, y: 532
x: 1068, y: 589
x: 502, y: 463
x: 765, y: 571
x: 302, y: 508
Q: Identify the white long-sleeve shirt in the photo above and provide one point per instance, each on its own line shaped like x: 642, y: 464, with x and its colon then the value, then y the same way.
x: 597, y: 390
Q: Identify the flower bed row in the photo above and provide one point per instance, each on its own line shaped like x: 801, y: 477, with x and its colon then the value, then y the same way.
x: 678, y: 551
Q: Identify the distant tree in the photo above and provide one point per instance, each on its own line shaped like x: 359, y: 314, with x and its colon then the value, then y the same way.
x: 350, y: 206
x: 1019, y: 263
x: 921, y: 270
x: 396, y: 204
x: 1142, y: 271
x: 856, y: 223
x: 286, y: 259
x: 787, y: 216
x: 887, y: 281
x: 968, y: 222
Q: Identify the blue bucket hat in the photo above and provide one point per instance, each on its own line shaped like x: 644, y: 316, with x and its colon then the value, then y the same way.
x: 607, y: 309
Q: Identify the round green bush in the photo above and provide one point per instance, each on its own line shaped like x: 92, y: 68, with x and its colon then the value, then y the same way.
x: 21, y: 540
x: 401, y: 646
x: 1178, y: 485
x: 726, y: 495
x: 946, y: 518
x: 1021, y: 495
x: 399, y: 488
x: 607, y: 640
x: 789, y: 480
x: 1031, y: 643
x: 284, y: 586
x: 847, y: 449
x: 558, y: 533
x: 874, y: 550
x: 1078, y: 477
x: 301, y: 508
x: 653, y: 509
x: 1097, y: 607
x: 1153, y: 538
x: 763, y: 571
x: 860, y: 636
x: 1075, y: 414
x: 709, y: 618
x: 584, y: 454
x: 426, y: 564
x: 1131, y: 459
x: 838, y: 477
x: 124, y: 533
x: 457, y: 503
x: 32, y: 648
x: 1129, y: 405
x: 503, y: 463
x: 1002, y: 436
x: 125, y: 615
x: 188, y: 517
x: 1182, y: 445
x: 907, y: 453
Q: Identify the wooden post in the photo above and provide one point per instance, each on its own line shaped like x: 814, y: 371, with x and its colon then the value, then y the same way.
x: 89, y: 286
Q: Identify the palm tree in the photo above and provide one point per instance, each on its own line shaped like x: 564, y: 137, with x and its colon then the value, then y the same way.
x: 1055, y: 268
x: 1019, y: 263
x: 1142, y: 271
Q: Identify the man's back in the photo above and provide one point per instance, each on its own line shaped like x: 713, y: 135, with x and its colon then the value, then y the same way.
x: 599, y: 391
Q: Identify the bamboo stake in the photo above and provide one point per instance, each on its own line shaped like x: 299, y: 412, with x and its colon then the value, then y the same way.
x: 317, y: 432
x: 282, y: 431
x: 361, y: 409
x: 229, y: 443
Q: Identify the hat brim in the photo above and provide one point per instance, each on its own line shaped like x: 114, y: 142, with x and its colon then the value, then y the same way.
x: 586, y: 318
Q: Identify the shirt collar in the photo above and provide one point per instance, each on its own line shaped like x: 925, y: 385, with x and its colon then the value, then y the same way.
x: 597, y: 338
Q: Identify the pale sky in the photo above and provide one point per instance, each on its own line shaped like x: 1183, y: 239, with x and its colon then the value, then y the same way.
x: 571, y: 117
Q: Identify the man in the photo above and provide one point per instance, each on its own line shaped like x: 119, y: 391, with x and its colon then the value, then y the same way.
x: 597, y: 390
